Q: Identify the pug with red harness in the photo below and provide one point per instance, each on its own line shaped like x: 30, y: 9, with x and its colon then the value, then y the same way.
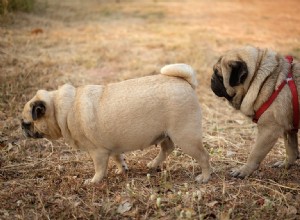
x: 264, y: 86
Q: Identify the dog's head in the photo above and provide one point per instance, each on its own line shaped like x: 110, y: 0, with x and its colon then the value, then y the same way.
x: 232, y: 76
x: 38, y: 117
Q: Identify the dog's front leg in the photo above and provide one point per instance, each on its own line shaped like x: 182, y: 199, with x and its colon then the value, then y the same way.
x: 265, y: 140
x: 100, y: 159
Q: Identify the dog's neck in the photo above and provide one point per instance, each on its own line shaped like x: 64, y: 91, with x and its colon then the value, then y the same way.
x: 267, y: 69
x: 65, y: 97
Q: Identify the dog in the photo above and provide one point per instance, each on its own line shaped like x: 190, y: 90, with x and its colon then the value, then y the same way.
x: 107, y: 121
x: 247, y: 77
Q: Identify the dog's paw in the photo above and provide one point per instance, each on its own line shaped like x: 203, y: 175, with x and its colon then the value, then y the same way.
x: 281, y: 164
x: 96, y: 179
x: 88, y: 182
x: 152, y: 165
x: 91, y: 182
x: 154, y: 168
x: 244, y: 171
x: 237, y: 173
x: 202, y: 178
x: 240, y: 173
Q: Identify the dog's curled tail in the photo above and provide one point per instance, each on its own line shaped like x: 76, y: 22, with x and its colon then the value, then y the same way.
x: 181, y: 70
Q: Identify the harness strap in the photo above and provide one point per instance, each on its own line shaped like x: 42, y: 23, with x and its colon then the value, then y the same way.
x: 294, y: 92
x: 295, y: 101
x: 267, y: 104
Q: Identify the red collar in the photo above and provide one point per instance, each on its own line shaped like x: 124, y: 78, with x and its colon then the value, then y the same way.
x: 290, y: 81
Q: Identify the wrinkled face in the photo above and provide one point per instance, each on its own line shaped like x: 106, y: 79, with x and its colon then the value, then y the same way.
x: 38, y: 118
x: 230, y: 73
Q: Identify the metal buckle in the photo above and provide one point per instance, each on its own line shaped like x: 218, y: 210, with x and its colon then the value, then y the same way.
x: 288, y: 79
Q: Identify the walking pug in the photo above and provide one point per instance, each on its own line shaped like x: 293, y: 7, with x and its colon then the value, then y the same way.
x: 247, y: 77
x: 119, y: 117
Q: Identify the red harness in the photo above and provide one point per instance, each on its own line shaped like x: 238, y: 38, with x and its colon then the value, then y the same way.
x: 294, y: 92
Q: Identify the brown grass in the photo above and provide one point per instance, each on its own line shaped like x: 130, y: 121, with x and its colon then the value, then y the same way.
x: 82, y: 42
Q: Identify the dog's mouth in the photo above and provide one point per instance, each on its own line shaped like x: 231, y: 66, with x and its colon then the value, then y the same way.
x: 30, y: 134
x: 218, y: 87
x: 27, y: 128
x: 237, y: 100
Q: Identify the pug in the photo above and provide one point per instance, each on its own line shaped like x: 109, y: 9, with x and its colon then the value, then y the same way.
x: 125, y: 116
x: 247, y: 77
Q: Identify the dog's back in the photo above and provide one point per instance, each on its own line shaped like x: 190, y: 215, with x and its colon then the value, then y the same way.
x: 120, y: 111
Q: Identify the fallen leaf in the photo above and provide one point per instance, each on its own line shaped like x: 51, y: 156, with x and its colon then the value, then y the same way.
x: 230, y: 153
x: 291, y: 210
x: 37, y: 31
x: 225, y: 215
x: 211, y: 204
x: 2, y: 115
x: 124, y: 207
x: 118, y: 198
x: 240, y: 122
x: 289, y: 196
x: 10, y: 146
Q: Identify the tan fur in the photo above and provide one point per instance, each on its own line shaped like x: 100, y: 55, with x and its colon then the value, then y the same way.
x: 130, y: 115
x: 266, y: 71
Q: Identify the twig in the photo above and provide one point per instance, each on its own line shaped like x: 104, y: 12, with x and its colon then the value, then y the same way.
x: 277, y: 184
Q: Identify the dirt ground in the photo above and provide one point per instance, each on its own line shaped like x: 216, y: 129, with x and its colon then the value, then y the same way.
x: 98, y: 42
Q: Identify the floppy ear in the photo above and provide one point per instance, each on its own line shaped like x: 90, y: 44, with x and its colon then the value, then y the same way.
x: 38, y: 109
x: 239, y: 73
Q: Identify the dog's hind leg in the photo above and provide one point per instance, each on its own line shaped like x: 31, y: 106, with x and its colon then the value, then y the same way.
x: 167, y: 146
x: 189, y: 139
x: 195, y: 149
x: 120, y: 162
x: 292, y: 151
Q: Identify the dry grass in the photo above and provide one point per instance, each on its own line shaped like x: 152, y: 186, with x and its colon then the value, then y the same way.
x: 83, y: 42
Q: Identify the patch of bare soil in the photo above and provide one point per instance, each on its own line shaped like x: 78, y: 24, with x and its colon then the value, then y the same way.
x: 97, y: 41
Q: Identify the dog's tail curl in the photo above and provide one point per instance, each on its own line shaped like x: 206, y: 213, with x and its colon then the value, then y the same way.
x: 181, y: 70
